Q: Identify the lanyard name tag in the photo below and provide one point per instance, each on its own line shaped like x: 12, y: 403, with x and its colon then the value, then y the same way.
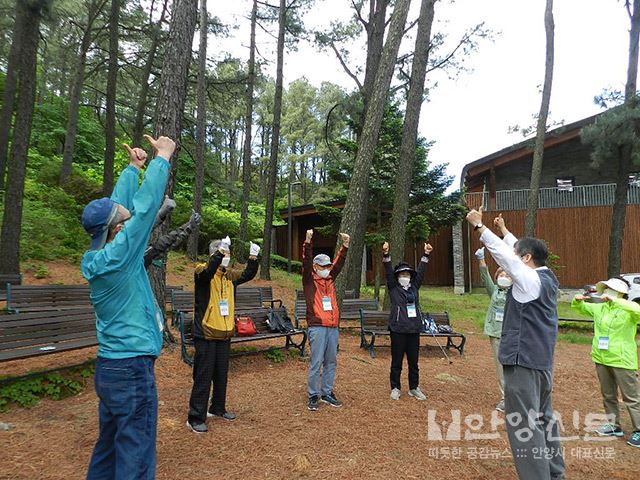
x: 411, y: 310
x: 159, y: 320
x: 499, y: 314
x: 326, y: 304
x: 224, y: 308
x: 603, y: 343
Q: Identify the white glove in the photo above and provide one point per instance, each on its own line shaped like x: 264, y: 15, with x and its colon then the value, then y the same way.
x: 254, y: 249
x: 480, y: 253
x: 225, y: 243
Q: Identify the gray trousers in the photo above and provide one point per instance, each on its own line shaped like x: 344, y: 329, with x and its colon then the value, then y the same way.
x: 531, y: 426
x: 495, y: 346
x: 612, y: 378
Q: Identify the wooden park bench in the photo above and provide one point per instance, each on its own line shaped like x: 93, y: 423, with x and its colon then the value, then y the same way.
x: 46, y: 298
x: 32, y: 334
x: 350, y: 307
x: 374, y: 323
x: 259, y: 316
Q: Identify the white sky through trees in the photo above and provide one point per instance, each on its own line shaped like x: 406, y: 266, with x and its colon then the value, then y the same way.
x: 468, y: 117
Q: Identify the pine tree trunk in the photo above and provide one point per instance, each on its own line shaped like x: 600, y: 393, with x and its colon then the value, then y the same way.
x: 248, y: 121
x: 541, y: 129
x: 10, y: 80
x: 201, y: 123
x: 375, y: 41
x: 74, y: 99
x: 410, y: 131
x: 354, y: 214
x: 138, y: 124
x: 26, y: 89
x: 112, y: 78
x: 618, y: 218
x: 171, y: 101
x: 275, y: 144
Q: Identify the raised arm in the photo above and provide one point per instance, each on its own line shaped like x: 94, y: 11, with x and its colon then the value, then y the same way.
x: 578, y: 303
x: 422, y: 266
x: 341, y: 257
x: 307, y: 257
x: 205, y: 271
x: 127, y: 184
x: 392, y: 282
x: 507, y: 236
x: 251, y: 268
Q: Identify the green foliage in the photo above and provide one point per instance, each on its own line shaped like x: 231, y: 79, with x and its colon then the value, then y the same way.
x: 614, y: 129
x: 331, y: 216
x: 41, y: 271
x: 55, y: 385
x: 275, y: 355
x: 281, y: 263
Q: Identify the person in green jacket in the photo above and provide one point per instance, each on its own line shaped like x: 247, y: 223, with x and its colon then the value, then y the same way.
x: 493, y: 321
x: 615, y: 353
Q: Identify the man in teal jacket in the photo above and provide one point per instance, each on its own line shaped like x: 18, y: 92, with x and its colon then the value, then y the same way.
x: 128, y: 321
x: 615, y: 353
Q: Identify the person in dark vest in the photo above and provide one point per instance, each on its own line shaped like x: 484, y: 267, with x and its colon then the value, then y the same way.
x: 405, y: 319
x: 527, y: 344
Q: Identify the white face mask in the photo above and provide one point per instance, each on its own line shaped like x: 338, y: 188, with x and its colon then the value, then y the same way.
x: 323, y: 273
x: 611, y: 293
x: 225, y: 261
x: 504, y: 282
x: 404, y: 281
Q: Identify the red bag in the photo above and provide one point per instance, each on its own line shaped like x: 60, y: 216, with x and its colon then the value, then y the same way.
x: 245, y: 327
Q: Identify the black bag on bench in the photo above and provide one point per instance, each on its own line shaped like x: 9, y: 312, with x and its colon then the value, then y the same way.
x: 279, y: 323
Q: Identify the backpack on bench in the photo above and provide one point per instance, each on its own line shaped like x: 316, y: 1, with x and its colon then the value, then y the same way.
x: 279, y: 323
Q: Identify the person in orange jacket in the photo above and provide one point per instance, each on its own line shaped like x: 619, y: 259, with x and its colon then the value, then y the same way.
x: 323, y: 319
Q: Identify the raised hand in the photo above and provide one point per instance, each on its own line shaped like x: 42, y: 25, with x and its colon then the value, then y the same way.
x: 474, y: 217
x: 385, y: 248
x: 345, y: 239
x: 254, y: 249
x: 428, y: 249
x: 164, y: 146
x: 581, y: 298
x: 309, y: 236
x: 499, y: 222
x: 137, y: 156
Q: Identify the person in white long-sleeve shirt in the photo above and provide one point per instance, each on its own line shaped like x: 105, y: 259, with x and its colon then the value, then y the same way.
x: 527, y: 345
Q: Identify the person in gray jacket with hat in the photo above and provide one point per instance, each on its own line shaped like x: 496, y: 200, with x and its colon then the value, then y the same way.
x: 405, y: 319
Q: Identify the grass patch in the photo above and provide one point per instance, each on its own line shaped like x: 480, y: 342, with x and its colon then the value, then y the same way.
x: 577, y: 338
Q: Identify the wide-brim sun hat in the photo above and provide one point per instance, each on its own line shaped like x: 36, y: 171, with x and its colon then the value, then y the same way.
x: 614, y: 284
x: 403, y: 267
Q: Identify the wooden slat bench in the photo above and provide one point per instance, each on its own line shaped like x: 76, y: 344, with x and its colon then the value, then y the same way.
x: 25, y: 335
x: 350, y: 307
x: 42, y: 298
x: 374, y: 323
x: 259, y: 316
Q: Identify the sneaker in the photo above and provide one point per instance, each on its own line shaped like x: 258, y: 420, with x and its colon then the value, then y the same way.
x: 395, y: 394
x: 634, y: 439
x: 609, y: 430
x: 313, y: 403
x: 197, y: 427
x: 500, y: 406
x: 417, y: 394
x: 228, y: 416
x: 331, y: 400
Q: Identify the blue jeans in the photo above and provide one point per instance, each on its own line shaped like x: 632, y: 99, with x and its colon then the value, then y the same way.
x: 323, y: 342
x: 126, y: 446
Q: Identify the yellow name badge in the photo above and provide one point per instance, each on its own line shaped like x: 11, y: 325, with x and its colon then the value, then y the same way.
x: 603, y: 343
x: 224, y: 307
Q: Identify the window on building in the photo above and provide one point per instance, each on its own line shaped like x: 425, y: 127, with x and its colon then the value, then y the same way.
x: 634, y: 179
x: 565, y: 184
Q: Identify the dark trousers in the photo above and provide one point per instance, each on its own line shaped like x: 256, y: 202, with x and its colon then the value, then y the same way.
x: 128, y: 412
x: 401, y: 344
x: 532, y: 428
x: 210, y: 365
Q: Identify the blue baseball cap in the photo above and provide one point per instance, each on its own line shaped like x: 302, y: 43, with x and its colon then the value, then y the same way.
x: 97, y: 217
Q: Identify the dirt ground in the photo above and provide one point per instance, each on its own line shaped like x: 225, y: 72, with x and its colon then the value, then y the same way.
x: 371, y: 437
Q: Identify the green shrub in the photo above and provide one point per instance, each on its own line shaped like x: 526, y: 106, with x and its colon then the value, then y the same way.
x: 281, y: 263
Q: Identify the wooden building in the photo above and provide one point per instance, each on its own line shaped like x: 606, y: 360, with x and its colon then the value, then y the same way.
x: 575, y: 211
x: 440, y: 270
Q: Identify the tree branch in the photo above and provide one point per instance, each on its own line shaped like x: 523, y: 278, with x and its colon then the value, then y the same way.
x: 359, y: 14
x: 346, y: 68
